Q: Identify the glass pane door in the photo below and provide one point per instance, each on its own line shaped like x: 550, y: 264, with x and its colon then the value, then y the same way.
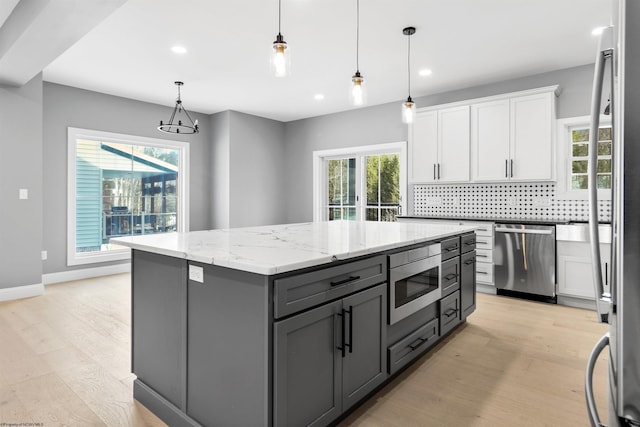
x: 383, y: 187
x: 341, y: 189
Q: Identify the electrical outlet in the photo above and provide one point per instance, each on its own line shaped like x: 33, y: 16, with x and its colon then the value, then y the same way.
x: 541, y: 202
x: 44, y: 255
x: 434, y: 201
x: 456, y: 201
x: 23, y: 194
x: 196, y: 273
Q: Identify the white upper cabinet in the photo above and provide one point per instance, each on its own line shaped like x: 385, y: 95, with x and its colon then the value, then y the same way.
x: 439, y: 146
x: 512, y: 139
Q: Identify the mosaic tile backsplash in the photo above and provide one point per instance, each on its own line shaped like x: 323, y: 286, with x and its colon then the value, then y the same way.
x: 521, y: 201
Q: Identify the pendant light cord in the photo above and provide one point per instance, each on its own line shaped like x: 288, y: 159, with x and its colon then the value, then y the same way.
x: 279, y: 15
x: 357, y: 36
x: 409, y: 66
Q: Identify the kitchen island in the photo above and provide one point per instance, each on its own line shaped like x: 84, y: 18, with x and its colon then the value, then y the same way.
x: 281, y: 325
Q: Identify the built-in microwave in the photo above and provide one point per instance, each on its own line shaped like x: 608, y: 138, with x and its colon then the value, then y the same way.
x: 414, y: 280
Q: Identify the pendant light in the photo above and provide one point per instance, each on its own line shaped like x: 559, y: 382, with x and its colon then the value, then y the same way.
x: 409, y: 107
x: 357, y: 93
x: 179, y: 127
x: 281, y: 54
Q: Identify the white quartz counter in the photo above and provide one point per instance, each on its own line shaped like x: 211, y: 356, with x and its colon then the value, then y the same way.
x: 280, y: 248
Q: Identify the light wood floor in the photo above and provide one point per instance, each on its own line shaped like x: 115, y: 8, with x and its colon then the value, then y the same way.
x: 65, y: 360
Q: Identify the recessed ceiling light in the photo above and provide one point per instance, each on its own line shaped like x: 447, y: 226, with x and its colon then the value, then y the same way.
x: 179, y: 49
x: 597, y: 31
x: 318, y: 96
x: 425, y: 72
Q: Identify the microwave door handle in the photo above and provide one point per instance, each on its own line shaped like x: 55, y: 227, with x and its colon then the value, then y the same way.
x: 605, y: 52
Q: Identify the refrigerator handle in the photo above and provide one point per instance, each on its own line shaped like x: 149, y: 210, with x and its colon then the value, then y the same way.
x: 605, y: 52
x: 594, y: 418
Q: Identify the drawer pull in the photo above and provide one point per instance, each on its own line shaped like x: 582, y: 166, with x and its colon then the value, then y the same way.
x: 450, y: 276
x: 469, y: 243
x: 470, y: 261
x: 481, y: 256
x: 481, y: 272
x: 451, y: 249
x: 347, y: 280
x: 417, y: 343
x: 450, y: 312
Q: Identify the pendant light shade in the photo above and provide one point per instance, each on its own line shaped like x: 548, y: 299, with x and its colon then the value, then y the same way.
x: 177, y: 125
x: 409, y: 107
x: 281, y: 53
x: 357, y: 92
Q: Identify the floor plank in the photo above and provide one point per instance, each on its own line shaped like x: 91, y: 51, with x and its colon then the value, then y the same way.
x: 65, y: 360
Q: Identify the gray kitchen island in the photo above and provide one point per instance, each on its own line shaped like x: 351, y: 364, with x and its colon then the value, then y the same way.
x: 291, y: 324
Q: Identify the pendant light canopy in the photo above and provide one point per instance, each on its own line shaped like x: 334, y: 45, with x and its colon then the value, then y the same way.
x: 281, y: 54
x: 408, y: 106
x: 179, y: 127
x: 357, y: 93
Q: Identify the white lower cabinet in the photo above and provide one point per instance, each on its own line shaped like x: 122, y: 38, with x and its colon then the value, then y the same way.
x: 574, y: 264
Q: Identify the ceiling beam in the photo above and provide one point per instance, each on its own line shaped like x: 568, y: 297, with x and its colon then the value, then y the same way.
x: 38, y: 31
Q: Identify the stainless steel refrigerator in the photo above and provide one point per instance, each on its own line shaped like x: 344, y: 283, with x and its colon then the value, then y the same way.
x: 617, y: 74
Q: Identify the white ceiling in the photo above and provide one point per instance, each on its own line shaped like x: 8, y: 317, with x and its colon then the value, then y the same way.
x: 464, y: 42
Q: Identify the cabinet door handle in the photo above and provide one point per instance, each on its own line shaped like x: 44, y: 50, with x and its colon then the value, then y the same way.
x: 438, y: 170
x: 434, y: 171
x: 506, y: 168
x: 417, y: 343
x: 342, y: 347
x: 450, y: 276
x: 350, y: 345
x: 450, y: 312
x: 511, y: 168
x: 470, y: 261
x: 345, y: 281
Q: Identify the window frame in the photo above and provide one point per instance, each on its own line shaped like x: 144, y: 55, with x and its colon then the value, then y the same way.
x: 320, y: 186
x: 73, y: 134
x: 564, y: 154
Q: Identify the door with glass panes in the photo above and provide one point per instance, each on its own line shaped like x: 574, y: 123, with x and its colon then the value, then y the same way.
x: 363, y: 187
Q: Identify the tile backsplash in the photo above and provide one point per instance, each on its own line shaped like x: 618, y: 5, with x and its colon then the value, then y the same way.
x: 526, y: 201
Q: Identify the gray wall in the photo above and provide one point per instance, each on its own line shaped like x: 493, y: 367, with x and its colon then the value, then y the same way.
x: 248, y: 170
x: 381, y: 124
x: 66, y: 106
x: 21, y: 157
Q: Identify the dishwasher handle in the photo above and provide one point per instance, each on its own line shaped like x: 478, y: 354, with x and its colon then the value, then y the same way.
x: 523, y: 231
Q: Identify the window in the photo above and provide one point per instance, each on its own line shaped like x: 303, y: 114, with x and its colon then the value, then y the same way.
x: 121, y: 185
x: 360, y: 183
x: 573, y: 161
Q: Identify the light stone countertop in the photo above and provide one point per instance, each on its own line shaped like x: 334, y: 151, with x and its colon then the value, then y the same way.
x: 277, y: 249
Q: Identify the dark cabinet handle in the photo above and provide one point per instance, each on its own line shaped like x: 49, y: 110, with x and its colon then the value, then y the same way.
x: 347, y: 280
x: 469, y: 243
x: 451, y: 249
x: 450, y: 312
x: 470, y: 261
x: 450, y: 276
x: 417, y: 343
x: 506, y: 168
x: 481, y: 272
x: 511, y: 168
x: 481, y: 256
x: 606, y: 273
x: 438, y: 170
x: 350, y: 345
x: 434, y: 171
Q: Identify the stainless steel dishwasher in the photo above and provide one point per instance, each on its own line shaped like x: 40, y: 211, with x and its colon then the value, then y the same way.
x: 525, y: 260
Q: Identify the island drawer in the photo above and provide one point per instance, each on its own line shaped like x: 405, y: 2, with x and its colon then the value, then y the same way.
x: 449, y: 312
x: 405, y: 350
x: 468, y: 242
x: 450, y: 276
x: 303, y: 291
x: 450, y: 248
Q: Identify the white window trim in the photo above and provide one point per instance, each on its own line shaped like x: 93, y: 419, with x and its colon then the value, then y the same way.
x: 73, y: 134
x: 563, y: 132
x: 319, y: 184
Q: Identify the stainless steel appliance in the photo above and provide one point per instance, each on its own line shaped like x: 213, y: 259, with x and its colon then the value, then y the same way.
x: 414, y: 280
x: 618, y: 304
x: 524, y: 259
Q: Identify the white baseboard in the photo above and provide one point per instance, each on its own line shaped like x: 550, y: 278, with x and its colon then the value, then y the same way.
x: 18, y: 292
x: 85, y: 273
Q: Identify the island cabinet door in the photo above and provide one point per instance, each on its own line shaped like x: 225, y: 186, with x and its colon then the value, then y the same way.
x: 468, y: 283
x: 307, y: 367
x: 365, y: 362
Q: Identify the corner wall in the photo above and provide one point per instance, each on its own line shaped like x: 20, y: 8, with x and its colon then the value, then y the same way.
x: 21, y: 156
